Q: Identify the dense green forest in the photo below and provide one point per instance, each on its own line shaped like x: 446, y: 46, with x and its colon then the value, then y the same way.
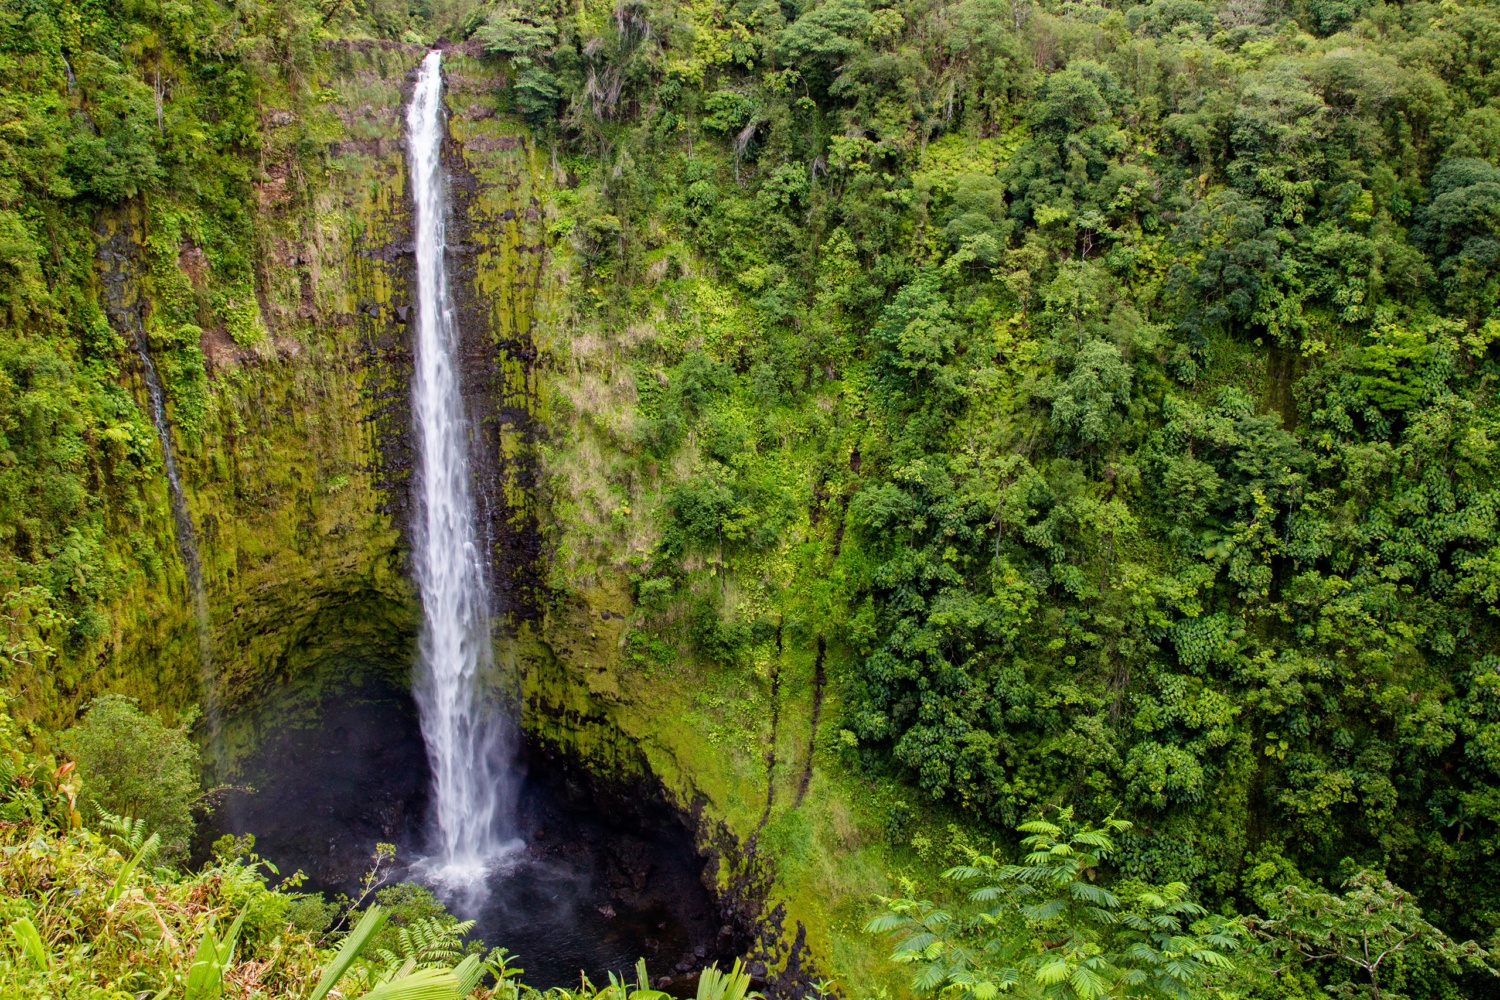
x: 1144, y: 355
x: 1105, y: 391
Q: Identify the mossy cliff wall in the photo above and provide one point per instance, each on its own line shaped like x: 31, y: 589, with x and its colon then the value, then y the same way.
x: 294, y: 468
x: 295, y: 478
x: 500, y: 185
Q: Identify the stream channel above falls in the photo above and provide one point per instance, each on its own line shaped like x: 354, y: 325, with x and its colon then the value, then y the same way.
x: 606, y: 875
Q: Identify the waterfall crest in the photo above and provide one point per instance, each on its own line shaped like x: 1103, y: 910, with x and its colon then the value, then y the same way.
x: 469, y: 743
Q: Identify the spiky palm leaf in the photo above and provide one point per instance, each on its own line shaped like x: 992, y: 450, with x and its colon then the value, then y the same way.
x: 423, y: 984
x: 205, y: 979
x: 354, y: 943
x: 29, y: 943
x: 731, y: 985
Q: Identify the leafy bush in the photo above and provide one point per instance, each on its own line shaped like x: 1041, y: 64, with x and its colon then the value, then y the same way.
x: 132, y: 764
x: 1048, y: 927
x: 1045, y: 928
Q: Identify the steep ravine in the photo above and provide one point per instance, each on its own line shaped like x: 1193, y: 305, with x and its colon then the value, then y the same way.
x: 297, y: 493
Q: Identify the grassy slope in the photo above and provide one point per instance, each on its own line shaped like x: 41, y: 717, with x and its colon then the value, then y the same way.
x: 598, y: 668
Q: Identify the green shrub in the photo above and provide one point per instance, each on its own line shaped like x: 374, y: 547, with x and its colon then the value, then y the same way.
x: 133, y: 764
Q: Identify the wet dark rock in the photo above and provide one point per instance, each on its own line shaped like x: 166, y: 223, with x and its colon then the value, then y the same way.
x: 611, y: 872
x: 324, y: 795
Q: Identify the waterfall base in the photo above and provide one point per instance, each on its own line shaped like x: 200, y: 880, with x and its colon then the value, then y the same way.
x: 606, y: 874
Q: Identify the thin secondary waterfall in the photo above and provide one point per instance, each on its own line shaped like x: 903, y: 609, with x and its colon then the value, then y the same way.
x: 187, y: 541
x: 467, y: 739
x: 124, y: 313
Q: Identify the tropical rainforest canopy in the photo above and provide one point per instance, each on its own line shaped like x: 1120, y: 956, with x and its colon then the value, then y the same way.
x: 1108, y: 389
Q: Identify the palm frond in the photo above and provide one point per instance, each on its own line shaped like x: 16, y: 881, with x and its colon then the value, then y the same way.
x: 1044, y: 911
x: 1093, y: 894
x: 29, y: 941
x: 1053, y: 972
x: 468, y: 973
x: 424, y: 984
x: 205, y: 978
x: 354, y: 943
x: 1088, y: 984
x: 1095, y: 838
x: 731, y: 985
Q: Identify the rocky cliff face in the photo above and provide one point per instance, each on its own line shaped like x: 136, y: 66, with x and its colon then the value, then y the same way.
x: 296, y: 481
x: 292, y: 457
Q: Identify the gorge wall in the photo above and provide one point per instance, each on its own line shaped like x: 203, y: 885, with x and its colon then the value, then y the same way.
x: 895, y: 422
x: 294, y: 477
x: 295, y: 458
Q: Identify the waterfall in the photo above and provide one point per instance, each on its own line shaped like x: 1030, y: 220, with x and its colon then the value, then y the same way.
x: 124, y: 311
x: 468, y: 741
x: 187, y: 542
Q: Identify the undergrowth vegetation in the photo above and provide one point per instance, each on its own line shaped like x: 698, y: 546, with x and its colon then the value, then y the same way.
x: 128, y: 763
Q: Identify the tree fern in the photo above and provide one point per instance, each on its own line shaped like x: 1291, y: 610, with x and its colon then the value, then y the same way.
x: 129, y: 833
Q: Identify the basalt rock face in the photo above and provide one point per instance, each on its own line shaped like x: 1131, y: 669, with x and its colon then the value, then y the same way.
x: 498, y: 265
x: 335, y: 278
x: 295, y: 481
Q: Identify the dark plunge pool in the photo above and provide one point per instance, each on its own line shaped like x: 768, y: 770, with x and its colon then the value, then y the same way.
x: 607, y: 875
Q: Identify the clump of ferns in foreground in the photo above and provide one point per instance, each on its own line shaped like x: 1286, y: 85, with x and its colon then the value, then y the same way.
x: 1047, y: 927
x: 95, y: 914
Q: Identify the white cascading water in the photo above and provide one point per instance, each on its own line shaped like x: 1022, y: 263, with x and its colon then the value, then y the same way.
x: 467, y: 739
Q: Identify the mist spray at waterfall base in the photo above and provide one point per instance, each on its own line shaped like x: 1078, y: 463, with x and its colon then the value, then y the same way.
x: 470, y: 741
